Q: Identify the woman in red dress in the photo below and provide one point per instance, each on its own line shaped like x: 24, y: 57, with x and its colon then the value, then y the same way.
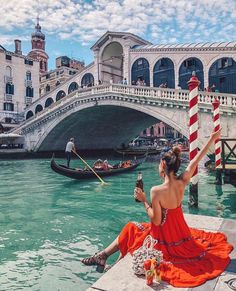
x: 191, y: 256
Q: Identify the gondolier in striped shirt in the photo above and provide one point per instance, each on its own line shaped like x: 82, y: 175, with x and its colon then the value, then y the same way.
x: 70, y: 146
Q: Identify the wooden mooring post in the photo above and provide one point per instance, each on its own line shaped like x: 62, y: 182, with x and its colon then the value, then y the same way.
x: 228, y: 162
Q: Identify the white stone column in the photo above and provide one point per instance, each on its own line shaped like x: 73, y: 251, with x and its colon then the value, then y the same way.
x: 96, y: 67
x: 151, y: 75
x: 126, y: 62
x: 176, y: 68
x: 206, y: 80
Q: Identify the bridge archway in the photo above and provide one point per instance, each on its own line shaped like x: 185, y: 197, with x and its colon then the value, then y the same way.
x: 163, y: 72
x: 122, y: 123
x: 87, y: 80
x: 185, y: 72
x: 38, y: 108
x: 48, y: 102
x: 73, y: 86
x: 111, y: 66
x: 60, y: 95
x: 222, y: 74
x: 29, y: 114
x: 140, y: 71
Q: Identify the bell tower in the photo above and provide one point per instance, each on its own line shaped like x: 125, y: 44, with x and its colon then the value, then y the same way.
x: 38, y: 48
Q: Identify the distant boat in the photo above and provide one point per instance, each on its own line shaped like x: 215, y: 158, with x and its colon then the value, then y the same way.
x: 139, y: 151
x: 81, y: 174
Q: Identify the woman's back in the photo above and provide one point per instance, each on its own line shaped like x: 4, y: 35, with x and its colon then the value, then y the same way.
x: 170, y: 193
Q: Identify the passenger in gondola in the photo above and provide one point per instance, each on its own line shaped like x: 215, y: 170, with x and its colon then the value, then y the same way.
x: 106, y: 165
x: 98, y: 165
x: 126, y: 164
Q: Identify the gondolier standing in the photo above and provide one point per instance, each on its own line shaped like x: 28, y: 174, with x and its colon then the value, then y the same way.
x: 70, y: 146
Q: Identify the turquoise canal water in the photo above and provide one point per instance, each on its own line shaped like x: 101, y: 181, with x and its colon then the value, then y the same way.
x: 49, y: 222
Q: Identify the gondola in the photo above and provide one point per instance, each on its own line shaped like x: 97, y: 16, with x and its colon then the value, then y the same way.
x: 80, y: 174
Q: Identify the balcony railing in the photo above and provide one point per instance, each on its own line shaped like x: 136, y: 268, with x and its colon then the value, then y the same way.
x: 28, y: 83
x: 28, y: 100
x: 8, y: 79
x: 8, y: 97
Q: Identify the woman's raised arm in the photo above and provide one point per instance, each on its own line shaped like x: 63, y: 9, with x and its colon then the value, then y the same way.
x: 186, y: 176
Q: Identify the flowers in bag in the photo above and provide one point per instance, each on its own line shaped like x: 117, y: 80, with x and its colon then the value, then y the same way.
x: 152, y: 270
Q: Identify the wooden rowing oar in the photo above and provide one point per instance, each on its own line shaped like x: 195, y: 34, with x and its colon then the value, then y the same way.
x: 104, y: 183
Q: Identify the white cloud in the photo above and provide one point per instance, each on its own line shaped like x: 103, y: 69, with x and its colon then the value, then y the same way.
x: 8, y: 39
x: 85, y: 22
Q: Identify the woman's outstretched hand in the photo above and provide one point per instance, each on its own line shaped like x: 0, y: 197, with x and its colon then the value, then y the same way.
x: 139, y: 194
x: 215, y: 135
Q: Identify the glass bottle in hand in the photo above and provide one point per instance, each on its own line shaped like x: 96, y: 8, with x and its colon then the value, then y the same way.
x: 139, y: 184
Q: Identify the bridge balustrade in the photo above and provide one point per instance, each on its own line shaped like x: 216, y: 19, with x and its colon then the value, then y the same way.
x: 227, y: 100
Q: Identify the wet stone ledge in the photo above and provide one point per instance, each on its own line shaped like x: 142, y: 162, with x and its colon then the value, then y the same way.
x: 121, y: 278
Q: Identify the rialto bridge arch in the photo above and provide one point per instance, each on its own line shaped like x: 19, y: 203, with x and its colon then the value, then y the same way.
x: 107, y: 117
x: 104, y: 124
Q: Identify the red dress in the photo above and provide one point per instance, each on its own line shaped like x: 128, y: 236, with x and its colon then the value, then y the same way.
x: 191, y: 256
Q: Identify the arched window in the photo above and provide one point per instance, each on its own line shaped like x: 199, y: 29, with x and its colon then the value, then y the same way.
x: 140, y: 72
x: 48, y: 102
x: 163, y: 73
x: 41, y: 65
x: 73, y: 86
x: 29, y: 114
x: 48, y: 88
x: 222, y: 74
x: 28, y: 76
x: 9, y: 88
x: 87, y: 80
x: 8, y: 71
x: 29, y: 91
x: 38, y: 108
x: 185, y: 72
x: 61, y: 94
x: 57, y: 83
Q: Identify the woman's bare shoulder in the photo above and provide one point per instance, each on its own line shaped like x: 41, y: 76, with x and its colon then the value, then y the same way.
x: 156, y: 190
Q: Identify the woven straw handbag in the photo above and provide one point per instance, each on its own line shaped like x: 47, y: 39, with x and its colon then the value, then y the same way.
x: 145, y: 252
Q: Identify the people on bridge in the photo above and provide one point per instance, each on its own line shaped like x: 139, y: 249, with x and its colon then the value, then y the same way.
x: 191, y: 256
x: 124, y: 81
x: 213, y: 88
x: 70, y: 146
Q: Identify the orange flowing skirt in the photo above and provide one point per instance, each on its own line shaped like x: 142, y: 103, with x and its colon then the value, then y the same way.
x: 191, y: 256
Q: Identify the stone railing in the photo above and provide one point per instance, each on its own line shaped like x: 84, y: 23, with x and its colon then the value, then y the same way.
x: 226, y: 100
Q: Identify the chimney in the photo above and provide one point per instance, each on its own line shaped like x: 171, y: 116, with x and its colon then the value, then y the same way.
x: 18, y: 47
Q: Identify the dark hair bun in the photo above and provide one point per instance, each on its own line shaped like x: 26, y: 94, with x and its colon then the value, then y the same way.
x: 177, y: 151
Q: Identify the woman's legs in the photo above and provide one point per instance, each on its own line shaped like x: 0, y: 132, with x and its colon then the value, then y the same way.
x: 101, y: 257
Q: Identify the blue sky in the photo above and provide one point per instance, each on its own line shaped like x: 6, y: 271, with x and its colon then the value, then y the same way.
x: 73, y: 26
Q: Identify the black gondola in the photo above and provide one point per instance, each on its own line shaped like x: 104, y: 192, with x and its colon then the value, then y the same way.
x: 80, y: 174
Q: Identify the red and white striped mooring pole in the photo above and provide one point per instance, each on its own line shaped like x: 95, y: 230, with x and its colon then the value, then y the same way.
x: 193, y: 84
x: 216, y: 119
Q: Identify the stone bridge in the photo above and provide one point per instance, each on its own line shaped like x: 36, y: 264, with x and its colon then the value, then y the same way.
x: 104, y: 117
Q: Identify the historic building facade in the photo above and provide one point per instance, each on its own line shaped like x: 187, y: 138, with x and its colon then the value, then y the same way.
x: 65, y: 68
x: 17, y: 90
